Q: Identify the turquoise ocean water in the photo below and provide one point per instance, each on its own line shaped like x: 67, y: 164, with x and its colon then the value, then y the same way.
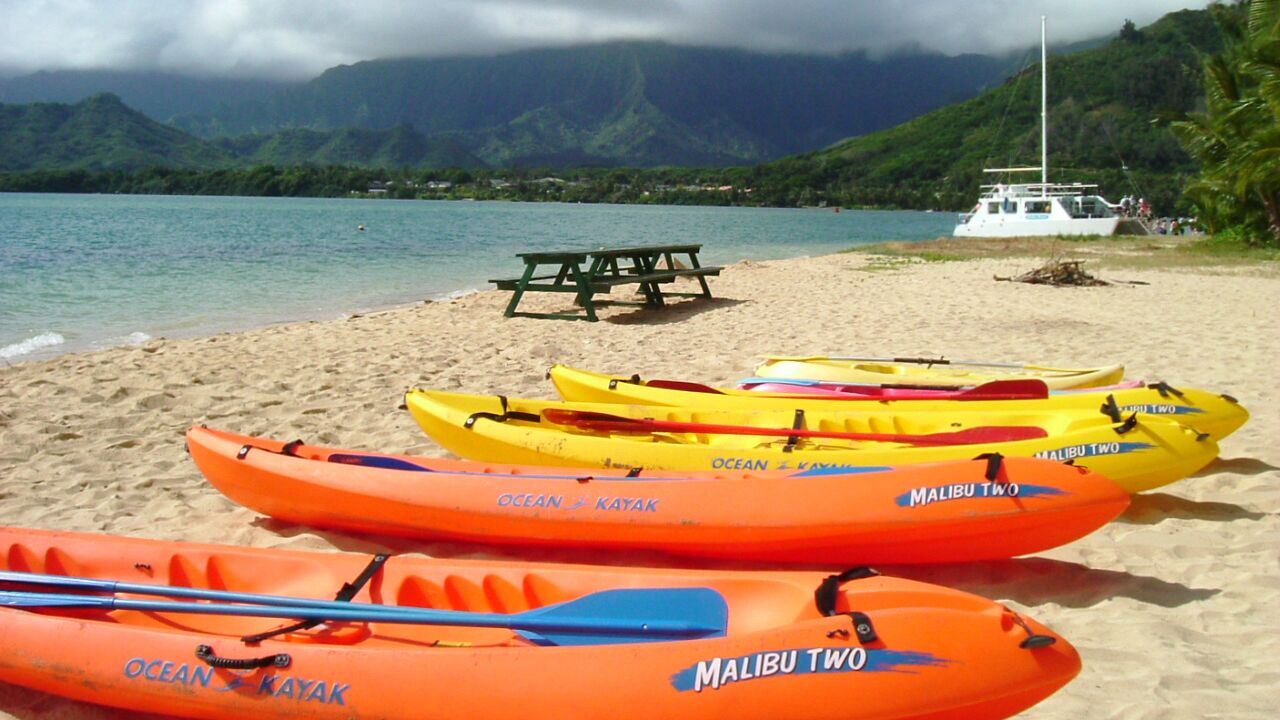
x: 90, y: 271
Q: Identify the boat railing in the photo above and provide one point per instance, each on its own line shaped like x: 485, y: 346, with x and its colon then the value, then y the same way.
x: 1049, y: 190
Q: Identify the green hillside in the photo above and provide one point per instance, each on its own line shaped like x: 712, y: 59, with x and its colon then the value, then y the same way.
x: 1101, y: 105
x: 99, y: 133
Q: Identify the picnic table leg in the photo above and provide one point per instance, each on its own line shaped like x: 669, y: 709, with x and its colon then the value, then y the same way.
x: 519, y: 291
x: 652, y: 291
x: 702, y: 279
x: 583, y: 281
x: 593, y: 272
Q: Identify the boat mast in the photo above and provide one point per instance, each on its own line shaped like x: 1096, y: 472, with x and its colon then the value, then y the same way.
x: 1044, y: 113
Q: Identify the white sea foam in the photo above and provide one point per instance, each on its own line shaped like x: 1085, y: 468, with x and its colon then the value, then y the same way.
x: 133, y: 338
x: 30, y: 345
x: 454, y: 295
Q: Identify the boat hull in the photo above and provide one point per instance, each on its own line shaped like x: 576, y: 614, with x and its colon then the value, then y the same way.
x: 938, y: 653
x: 1212, y: 413
x: 940, y: 375
x: 1002, y: 226
x: 1137, y: 456
x: 944, y: 512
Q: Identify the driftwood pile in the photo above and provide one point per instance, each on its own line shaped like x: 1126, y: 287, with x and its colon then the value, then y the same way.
x: 1058, y: 272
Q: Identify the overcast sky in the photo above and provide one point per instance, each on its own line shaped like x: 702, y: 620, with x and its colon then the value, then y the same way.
x: 297, y: 39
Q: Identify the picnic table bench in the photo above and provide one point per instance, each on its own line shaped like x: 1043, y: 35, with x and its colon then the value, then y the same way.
x: 587, y: 273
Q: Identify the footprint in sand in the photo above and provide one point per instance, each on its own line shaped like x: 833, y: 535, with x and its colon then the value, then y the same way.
x: 159, y: 401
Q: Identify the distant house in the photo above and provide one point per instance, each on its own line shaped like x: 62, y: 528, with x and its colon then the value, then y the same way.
x: 439, y: 185
x: 378, y: 187
x: 499, y: 183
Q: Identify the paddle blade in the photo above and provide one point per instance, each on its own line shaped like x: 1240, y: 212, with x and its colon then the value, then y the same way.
x: 1020, y: 389
x: 377, y: 461
x: 982, y: 435
x: 588, y: 420
x: 631, y: 615
x: 682, y: 385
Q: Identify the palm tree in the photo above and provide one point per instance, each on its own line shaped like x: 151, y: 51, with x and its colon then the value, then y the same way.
x: 1236, y: 139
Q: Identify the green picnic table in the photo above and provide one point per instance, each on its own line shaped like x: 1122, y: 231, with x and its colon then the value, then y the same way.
x: 587, y: 273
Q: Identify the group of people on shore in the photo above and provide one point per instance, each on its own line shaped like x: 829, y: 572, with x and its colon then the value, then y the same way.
x: 1141, y: 209
x: 1174, y: 226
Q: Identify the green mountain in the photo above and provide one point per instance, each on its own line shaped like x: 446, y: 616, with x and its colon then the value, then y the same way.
x: 158, y: 95
x: 1102, y: 103
x: 622, y: 103
x: 400, y: 146
x: 99, y: 133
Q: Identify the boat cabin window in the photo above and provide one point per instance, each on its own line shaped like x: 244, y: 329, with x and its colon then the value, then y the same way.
x: 993, y: 208
x: 1010, y: 206
x: 1039, y: 206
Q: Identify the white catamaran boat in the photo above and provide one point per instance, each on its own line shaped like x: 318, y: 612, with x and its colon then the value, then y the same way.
x: 1043, y: 208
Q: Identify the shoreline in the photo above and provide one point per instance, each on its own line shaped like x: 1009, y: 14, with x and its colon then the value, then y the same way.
x: 92, y: 441
x: 197, y: 332
x: 189, y: 266
x: 947, y: 248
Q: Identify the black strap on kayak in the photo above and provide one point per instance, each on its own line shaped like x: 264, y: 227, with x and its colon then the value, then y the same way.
x: 862, y: 627
x: 829, y: 589
x: 290, y: 449
x: 796, y: 424
x: 634, y: 380
x: 1111, y: 409
x: 1033, y: 640
x: 1165, y: 389
x: 1128, y: 425
x: 825, y: 599
x: 995, y: 462
x: 206, y: 654
x: 345, y: 593
x: 503, y: 417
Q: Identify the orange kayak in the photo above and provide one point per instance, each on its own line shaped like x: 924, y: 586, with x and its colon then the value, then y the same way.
x: 938, y: 512
x: 768, y: 645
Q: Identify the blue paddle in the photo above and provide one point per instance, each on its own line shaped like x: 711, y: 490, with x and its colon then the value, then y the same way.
x: 608, y: 616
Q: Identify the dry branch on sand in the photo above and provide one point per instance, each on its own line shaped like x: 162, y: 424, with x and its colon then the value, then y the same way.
x: 1058, y: 272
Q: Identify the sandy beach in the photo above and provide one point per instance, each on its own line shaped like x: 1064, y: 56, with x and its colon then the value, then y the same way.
x: 1175, y: 607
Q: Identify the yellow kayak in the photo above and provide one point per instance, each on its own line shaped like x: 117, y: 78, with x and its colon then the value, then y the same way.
x: 934, y: 372
x: 1135, y: 454
x: 1212, y: 413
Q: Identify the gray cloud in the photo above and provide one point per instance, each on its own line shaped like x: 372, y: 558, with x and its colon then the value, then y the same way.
x: 300, y: 38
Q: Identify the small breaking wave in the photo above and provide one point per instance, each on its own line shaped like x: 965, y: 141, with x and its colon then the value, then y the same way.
x: 31, y: 344
x: 454, y: 295
x: 133, y: 338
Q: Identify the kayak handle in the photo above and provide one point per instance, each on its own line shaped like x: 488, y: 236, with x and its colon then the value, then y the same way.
x: 206, y: 653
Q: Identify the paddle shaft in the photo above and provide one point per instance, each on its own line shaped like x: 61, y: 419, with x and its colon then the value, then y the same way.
x: 557, y: 617
x: 602, y: 421
x: 1015, y: 389
x: 640, y: 628
x: 923, y: 361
